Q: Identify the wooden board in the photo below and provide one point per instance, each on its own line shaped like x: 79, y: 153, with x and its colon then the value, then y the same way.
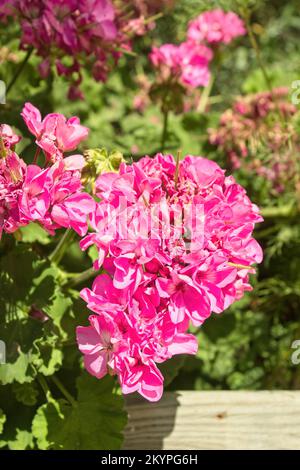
x: 215, y: 420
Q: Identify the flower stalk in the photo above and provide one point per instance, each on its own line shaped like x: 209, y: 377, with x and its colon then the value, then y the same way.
x: 61, y: 247
x: 64, y: 391
x: 19, y: 70
x: 82, y: 277
x: 165, y: 129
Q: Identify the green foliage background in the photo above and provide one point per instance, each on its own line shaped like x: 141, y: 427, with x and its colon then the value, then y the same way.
x: 47, y: 401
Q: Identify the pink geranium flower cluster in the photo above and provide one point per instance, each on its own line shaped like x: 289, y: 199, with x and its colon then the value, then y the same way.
x: 93, y: 33
x: 175, y: 242
x: 54, y: 134
x: 188, y: 63
x: 258, y: 135
x: 215, y: 27
x: 51, y: 196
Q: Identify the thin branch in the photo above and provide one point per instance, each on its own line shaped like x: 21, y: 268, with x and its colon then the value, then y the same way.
x: 19, y: 70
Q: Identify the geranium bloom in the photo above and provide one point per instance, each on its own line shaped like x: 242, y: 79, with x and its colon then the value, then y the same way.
x: 54, y: 134
x: 181, y: 69
x: 253, y: 137
x: 215, y: 27
x: 72, y: 35
x: 8, y: 137
x: 97, y: 343
x: 12, y: 172
x: 175, y: 240
x: 187, y: 63
x: 52, y: 196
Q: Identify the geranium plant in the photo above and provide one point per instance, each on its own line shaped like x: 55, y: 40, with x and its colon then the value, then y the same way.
x: 139, y: 189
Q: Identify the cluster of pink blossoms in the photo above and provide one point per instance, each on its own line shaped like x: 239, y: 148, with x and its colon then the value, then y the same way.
x: 93, y: 33
x: 188, y: 62
x: 51, y: 196
x: 215, y: 27
x: 258, y: 135
x: 175, y: 243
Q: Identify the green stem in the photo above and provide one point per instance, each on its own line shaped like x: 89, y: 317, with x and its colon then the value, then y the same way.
x: 150, y: 19
x: 126, y: 52
x: 260, y: 62
x: 19, y: 70
x: 36, y: 155
x: 255, y: 46
x: 61, y: 247
x: 42, y: 381
x: 165, y: 129
x: 64, y: 391
x: 205, y: 96
x: 82, y: 277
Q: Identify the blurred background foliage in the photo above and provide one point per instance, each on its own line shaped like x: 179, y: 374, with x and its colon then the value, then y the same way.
x: 249, y: 345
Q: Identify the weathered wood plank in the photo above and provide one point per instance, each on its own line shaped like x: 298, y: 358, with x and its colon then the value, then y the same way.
x: 215, y: 420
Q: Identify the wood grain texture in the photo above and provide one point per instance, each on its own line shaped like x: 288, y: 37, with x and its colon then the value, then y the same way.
x: 215, y: 420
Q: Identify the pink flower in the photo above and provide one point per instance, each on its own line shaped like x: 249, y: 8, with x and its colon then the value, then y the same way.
x: 97, y: 342
x: 251, y: 117
x: 12, y: 173
x: 54, y: 134
x: 175, y: 241
x: 145, y: 379
x: 188, y: 63
x: 194, y: 64
x: 216, y: 27
x: 186, y: 299
x: 86, y: 33
x: 167, y: 54
x: 52, y: 196
x: 35, y: 200
x: 104, y: 296
x: 9, y: 138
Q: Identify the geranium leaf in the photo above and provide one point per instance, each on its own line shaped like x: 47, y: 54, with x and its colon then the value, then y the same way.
x: 34, y: 233
x: 95, y: 423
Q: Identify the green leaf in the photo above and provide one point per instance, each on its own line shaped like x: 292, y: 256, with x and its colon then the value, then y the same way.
x: 60, y: 310
x: 48, y: 358
x: 23, y: 441
x: 25, y: 280
x: 45, y: 423
x: 26, y: 393
x: 96, y: 423
x: 19, y: 370
x: 34, y: 233
x: 31, y: 347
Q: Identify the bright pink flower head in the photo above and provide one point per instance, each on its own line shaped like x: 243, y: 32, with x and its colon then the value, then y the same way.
x: 8, y: 137
x: 54, y: 134
x: 167, y: 55
x: 215, y: 27
x: 98, y: 342
x: 52, y: 196
x: 55, y: 199
x: 85, y: 33
x: 194, y: 64
x: 12, y: 174
x: 186, y: 63
x: 175, y: 240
